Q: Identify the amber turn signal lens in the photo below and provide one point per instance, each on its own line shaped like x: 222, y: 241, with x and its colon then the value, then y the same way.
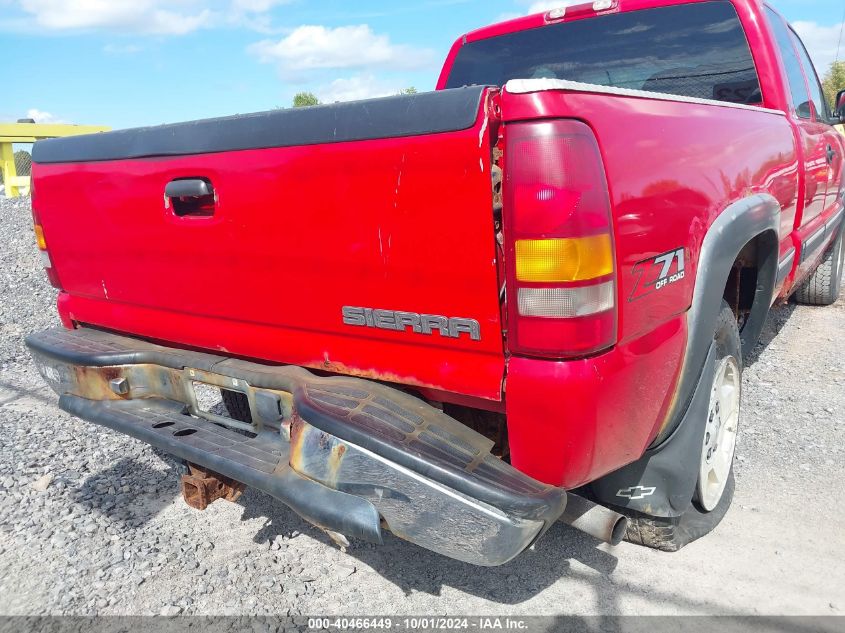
x: 564, y: 259
x: 39, y: 237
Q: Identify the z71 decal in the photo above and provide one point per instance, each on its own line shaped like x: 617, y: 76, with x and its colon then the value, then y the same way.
x: 658, y: 272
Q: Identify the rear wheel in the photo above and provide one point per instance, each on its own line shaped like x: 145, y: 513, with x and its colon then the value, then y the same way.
x: 822, y: 287
x: 719, y: 435
x: 715, y: 487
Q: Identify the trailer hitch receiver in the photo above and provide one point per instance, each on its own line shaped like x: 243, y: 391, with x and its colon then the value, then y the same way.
x: 202, y: 486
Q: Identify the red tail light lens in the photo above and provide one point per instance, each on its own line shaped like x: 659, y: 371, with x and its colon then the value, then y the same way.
x: 561, y: 267
x: 41, y: 241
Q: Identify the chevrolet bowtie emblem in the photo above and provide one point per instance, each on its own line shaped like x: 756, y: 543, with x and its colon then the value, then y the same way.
x: 636, y: 492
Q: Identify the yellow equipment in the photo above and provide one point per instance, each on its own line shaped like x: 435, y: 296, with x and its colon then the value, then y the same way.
x: 29, y: 133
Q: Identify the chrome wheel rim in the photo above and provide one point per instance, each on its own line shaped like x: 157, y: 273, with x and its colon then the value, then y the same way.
x: 719, y: 434
x: 838, y: 260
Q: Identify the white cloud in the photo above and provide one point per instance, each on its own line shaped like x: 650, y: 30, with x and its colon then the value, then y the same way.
x: 821, y: 42
x: 255, y: 15
x: 539, y: 6
x: 143, y: 16
x: 547, y: 5
x: 255, y: 6
x: 40, y: 116
x: 313, y: 47
x: 356, y: 87
x: 158, y: 17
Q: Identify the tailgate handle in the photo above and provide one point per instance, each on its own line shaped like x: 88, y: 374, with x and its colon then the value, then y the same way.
x: 190, y: 196
x: 195, y: 187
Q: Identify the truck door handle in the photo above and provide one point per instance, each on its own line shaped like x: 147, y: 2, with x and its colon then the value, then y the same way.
x: 190, y: 197
x: 194, y: 187
x: 831, y: 153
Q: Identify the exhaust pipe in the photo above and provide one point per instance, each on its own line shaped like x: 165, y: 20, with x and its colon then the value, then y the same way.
x: 597, y: 521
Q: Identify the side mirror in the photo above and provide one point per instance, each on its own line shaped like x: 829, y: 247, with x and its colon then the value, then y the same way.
x: 803, y: 111
x: 839, y: 110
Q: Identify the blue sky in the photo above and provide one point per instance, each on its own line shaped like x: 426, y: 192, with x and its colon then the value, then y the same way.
x: 125, y: 63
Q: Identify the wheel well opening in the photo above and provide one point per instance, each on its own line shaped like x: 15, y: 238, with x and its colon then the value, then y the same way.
x: 741, y: 286
x: 748, y: 289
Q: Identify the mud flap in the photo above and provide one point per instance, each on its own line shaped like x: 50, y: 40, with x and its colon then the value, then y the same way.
x: 662, y: 482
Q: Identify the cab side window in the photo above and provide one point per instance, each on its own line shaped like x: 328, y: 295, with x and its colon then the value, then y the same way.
x: 794, y: 74
x: 816, y: 93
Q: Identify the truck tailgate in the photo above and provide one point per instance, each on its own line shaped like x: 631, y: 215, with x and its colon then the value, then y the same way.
x: 383, y: 204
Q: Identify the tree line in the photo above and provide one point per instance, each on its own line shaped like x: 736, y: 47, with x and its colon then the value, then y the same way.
x: 833, y: 81
x: 302, y: 99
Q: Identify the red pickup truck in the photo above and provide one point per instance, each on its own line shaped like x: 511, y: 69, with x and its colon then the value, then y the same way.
x: 463, y: 315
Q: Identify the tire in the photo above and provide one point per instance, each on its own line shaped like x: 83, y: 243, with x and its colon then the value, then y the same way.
x: 714, y: 490
x: 237, y: 405
x: 822, y: 287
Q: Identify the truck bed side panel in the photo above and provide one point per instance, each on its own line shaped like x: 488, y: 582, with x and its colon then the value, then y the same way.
x: 672, y: 167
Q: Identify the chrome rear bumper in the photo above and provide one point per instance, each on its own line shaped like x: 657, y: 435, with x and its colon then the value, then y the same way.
x: 349, y: 455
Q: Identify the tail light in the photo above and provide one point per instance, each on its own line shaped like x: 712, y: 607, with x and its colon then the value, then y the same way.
x: 41, y: 241
x: 561, y: 269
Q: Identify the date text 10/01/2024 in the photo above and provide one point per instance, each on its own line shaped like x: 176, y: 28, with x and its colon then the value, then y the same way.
x: 482, y: 623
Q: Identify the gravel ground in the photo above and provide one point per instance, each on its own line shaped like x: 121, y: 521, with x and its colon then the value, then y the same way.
x: 91, y: 522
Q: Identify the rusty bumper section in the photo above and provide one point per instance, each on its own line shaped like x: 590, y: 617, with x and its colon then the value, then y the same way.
x: 349, y: 455
x: 201, y: 487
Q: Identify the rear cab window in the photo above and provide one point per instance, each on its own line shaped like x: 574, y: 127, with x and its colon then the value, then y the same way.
x: 691, y: 50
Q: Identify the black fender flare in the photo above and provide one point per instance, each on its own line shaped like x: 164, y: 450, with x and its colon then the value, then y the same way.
x: 662, y: 481
x: 738, y: 224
